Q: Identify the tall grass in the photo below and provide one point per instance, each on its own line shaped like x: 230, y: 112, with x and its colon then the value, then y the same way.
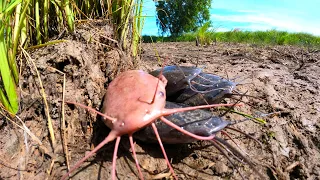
x: 25, y: 22
x: 126, y: 15
x: 8, y: 68
x: 271, y: 37
x: 137, y: 28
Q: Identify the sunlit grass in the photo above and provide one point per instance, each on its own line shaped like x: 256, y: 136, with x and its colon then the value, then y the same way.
x: 8, y: 68
x: 271, y: 37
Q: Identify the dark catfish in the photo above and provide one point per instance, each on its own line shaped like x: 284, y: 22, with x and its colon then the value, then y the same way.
x: 178, y: 77
x: 199, y: 122
x: 205, y: 89
x: 190, y: 86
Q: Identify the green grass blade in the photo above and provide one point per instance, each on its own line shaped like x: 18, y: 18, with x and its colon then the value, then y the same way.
x: 37, y: 14
x: 12, y: 5
x: 8, y: 93
x: 45, y: 19
x: 69, y: 14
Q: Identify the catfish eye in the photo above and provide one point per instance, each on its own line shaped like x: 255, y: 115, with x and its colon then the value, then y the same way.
x: 161, y: 94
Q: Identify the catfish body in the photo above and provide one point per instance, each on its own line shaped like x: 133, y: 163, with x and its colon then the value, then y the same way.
x: 199, y: 122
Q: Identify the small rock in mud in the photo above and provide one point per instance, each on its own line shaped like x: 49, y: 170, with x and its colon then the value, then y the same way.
x: 220, y: 168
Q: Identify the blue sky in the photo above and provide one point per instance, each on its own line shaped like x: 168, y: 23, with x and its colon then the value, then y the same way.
x: 287, y: 15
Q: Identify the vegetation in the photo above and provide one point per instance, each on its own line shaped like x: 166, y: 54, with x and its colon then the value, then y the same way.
x: 182, y: 16
x: 126, y: 15
x: 271, y: 37
x: 204, y: 34
x: 25, y: 23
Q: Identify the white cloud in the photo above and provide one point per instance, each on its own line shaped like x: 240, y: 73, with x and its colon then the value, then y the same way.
x: 255, y: 20
x: 287, y: 15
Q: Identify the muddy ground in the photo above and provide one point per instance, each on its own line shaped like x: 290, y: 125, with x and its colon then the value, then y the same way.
x: 283, y: 80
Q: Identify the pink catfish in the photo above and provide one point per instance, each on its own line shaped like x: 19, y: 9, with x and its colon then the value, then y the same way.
x: 133, y: 100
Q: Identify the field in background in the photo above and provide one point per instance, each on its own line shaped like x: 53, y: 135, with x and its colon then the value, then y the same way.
x: 271, y: 37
